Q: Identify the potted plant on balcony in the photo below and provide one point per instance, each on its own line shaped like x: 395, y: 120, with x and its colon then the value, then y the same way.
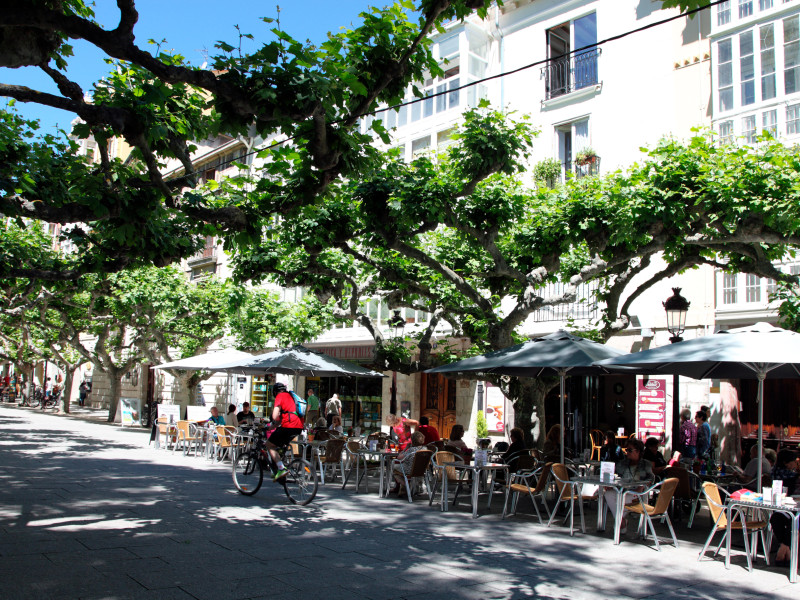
x: 587, y: 156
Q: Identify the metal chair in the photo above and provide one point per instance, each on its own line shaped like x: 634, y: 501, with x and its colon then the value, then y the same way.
x: 521, y: 484
x: 187, y: 435
x: 719, y: 514
x: 419, y: 469
x: 439, y: 460
x: 647, y: 512
x: 568, y: 492
x: 333, y: 454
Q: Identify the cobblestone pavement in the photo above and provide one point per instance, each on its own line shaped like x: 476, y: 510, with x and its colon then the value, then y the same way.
x: 89, y: 510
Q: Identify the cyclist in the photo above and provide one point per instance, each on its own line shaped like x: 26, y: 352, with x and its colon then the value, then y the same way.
x: 288, y: 425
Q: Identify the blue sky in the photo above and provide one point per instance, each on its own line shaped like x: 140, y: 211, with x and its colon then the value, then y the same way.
x: 191, y: 27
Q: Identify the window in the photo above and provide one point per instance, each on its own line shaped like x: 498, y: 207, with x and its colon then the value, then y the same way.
x: 729, y: 288
x: 444, y: 139
x: 725, y: 75
x: 420, y: 145
x: 572, y: 138
x: 747, y: 68
x: 765, y: 4
x: 752, y: 288
x: 769, y: 122
x: 767, y: 37
x: 749, y: 129
x: 745, y: 8
x: 568, y: 70
x: 791, y: 55
x: 724, y: 13
x: 203, y: 271
x: 793, y: 119
x: 726, y: 132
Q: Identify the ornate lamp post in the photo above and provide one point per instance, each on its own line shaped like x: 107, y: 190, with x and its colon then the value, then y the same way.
x: 397, y: 324
x: 676, y: 307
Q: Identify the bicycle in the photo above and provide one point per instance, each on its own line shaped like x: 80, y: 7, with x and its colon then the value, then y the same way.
x: 300, y: 482
x: 51, y: 401
x: 38, y: 396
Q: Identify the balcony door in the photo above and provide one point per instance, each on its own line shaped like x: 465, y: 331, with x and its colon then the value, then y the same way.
x: 439, y: 401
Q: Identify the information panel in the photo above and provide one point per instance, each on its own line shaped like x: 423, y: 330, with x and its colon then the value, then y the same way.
x: 651, y: 408
x: 495, y: 409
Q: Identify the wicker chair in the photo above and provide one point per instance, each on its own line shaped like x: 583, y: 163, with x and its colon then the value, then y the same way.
x: 648, y: 513
x: 439, y: 459
x: 187, y: 435
x: 223, y: 443
x: 568, y: 491
x: 521, y: 484
x: 333, y: 455
x: 719, y: 514
x: 596, y: 437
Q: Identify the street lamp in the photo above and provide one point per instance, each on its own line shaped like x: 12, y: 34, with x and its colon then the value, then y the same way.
x: 676, y: 307
x: 397, y: 324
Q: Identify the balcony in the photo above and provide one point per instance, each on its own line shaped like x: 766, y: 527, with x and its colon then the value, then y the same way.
x: 571, y: 73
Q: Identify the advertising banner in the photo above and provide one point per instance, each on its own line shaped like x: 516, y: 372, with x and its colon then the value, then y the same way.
x: 651, y: 408
x: 495, y: 409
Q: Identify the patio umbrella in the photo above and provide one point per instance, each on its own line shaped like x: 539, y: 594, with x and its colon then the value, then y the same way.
x: 297, y: 360
x: 205, y: 362
x: 746, y: 353
x: 559, y: 353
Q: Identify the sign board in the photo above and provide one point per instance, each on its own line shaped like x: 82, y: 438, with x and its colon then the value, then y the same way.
x: 131, y: 410
x: 171, y: 411
x: 495, y: 409
x: 198, y: 413
x: 651, y: 408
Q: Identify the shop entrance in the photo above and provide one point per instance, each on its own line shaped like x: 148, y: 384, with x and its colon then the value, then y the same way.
x: 439, y: 401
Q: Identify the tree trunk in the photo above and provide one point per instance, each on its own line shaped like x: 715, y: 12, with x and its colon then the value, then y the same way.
x: 69, y: 375
x: 529, y: 414
x: 731, y: 435
x: 114, y: 391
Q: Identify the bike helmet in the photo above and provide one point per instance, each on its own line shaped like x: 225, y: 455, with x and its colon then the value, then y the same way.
x: 278, y: 388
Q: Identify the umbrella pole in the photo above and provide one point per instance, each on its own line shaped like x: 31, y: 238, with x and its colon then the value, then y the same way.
x: 562, y: 373
x: 761, y: 376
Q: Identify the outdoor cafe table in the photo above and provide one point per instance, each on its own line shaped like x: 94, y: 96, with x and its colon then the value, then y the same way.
x: 793, y: 512
x: 361, y: 455
x: 620, y: 486
x: 477, y: 472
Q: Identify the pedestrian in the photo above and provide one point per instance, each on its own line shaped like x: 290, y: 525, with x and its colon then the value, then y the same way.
x: 333, y: 407
x: 688, y: 435
x: 312, y: 410
x: 703, y: 434
x: 83, y: 391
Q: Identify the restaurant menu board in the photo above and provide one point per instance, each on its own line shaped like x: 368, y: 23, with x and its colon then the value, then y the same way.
x: 651, y: 408
x: 171, y: 411
x: 495, y: 408
x: 607, y: 470
x: 131, y: 410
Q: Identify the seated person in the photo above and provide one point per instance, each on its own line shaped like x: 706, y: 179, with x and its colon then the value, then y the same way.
x: 230, y: 418
x: 634, y: 466
x: 750, y: 472
x: 786, y: 469
x: 246, y: 416
x: 336, y: 424
x: 516, y: 448
x: 610, y: 451
x: 652, y: 454
x: 216, y: 418
x: 457, y: 442
x: 429, y: 431
x: 552, y: 444
x: 401, y: 429
x: 406, y: 458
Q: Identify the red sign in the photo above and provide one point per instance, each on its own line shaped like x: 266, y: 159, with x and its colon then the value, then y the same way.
x: 651, y: 408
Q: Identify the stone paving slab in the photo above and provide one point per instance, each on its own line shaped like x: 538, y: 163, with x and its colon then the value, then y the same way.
x: 90, y: 510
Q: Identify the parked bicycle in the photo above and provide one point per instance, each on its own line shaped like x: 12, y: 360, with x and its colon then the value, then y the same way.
x: 52, y: 400
x: 300, y: 482
x: 35, y: 401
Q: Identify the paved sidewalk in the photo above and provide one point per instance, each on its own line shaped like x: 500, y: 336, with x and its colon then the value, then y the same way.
x: 91, y: 511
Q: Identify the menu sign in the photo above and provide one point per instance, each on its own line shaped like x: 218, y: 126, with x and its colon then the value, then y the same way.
x: 651, y: 408
x: 495, y: 408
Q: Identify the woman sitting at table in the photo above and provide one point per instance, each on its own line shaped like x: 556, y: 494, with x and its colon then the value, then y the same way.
x: 406, y: 458
x: 401, y: 427
x: 787, y: 469
x: 652, y: 454
x: 230, y: 418
x: 610, y: 451
x: 552, y: 444
x: 456, y: 440
x: 633, y: 467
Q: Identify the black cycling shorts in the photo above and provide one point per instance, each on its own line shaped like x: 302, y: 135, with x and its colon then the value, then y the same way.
x: 283, y: 435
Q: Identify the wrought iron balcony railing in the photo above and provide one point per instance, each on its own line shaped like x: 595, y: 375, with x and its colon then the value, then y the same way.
x: 571, y: 73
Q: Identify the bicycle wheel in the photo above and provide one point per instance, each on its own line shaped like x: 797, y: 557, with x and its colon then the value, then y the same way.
x: 300, y: 483
x: 248, y: 473
x: 36, y: 401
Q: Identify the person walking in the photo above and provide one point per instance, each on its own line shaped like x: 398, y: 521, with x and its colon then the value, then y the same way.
x: 333, y: 407
x: 83, y: 391
x: 312, y: 410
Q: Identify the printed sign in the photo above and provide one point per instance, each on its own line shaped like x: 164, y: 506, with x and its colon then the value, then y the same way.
x: 495, y: 409
x: 607, y: 470
x: 651, y: 408
x: 131, y: 410
x: 171, y: 411
x: 198, y: 413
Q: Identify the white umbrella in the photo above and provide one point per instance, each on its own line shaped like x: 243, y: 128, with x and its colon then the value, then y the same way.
x: 744, y: 353
x: 206, y: 362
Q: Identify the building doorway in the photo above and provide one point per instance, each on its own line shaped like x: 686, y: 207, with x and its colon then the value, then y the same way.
x: 439, y: 401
